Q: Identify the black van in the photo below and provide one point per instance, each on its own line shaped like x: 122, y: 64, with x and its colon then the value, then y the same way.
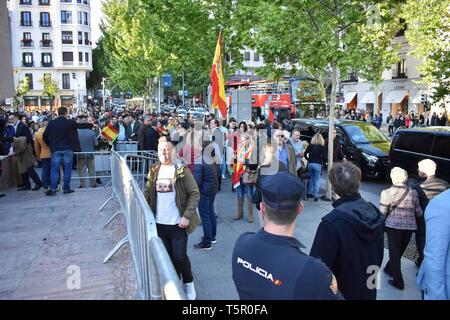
x: 409, y: 146
x: 362, y: 143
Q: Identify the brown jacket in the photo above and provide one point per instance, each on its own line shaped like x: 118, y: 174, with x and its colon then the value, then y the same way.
x: 187, y: 194
x: 23, y: 152
x: 291, y: 158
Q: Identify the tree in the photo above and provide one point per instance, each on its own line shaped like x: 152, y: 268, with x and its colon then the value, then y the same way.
x: 428, y: 25
x: 50, y: 89
x: 317, y: 34
x: 100, y: 64
x: 375, y: 45
x: 21, y: 89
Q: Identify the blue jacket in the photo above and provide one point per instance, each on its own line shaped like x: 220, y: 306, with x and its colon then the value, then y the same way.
x: 61, y: 134
x: 206, y: 176
x: 434, y: 274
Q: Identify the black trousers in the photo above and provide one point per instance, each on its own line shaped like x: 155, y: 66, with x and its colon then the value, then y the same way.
x: 420, y: 238
x: 175, y: 240
x: 31, y: 173
x: 397, y: 241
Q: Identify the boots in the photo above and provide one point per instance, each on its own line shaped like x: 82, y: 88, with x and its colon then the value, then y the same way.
x: 240, y: 213
x: 250, y: 211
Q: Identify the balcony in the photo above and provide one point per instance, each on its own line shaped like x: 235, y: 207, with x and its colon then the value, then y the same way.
x: 351, y: 77
x: 26, y: 43
x: 67, y: 63
x: 46, y: 64
x: 26, y: 23
x: 27, y: 64
x: 46, y: 44
x: 67, y: 41
x: 44, y: 2
x: 87, y: 42
x: 400, y: 74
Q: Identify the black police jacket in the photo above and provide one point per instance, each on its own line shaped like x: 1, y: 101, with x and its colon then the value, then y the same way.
x: 271, y: 267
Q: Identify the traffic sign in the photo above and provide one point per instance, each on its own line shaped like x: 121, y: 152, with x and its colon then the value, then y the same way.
x: 166, y: 80
x: 185, y: 93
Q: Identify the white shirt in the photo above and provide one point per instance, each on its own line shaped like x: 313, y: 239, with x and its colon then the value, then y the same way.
x: 166, y: 210
x: 122, y: 135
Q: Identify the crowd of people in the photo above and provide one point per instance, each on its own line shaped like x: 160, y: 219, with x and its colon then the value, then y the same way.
x: 271, y: 168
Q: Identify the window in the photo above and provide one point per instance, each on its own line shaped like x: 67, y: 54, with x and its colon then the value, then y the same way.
x: 83, y: 1
x: 86, y: 18
x: 247, y: 56
x: 25, y: 19
x: 47, y: 59
x: 86, y: 57
x: 46, y: 37
x: 441, y: 147
x: 80, y: 17
x: 46, y: 42
x: 256, y: 57
x: 30, y: 80
x: 25, y: 2
x: 27, y: 59
x: 27, y: 36
x: 26, y: 41
x: 67, y: 37
x: 80, y: 37
x: 228, y: 57
x: 416, y: 142
x: 86, y: 39
x: 68, y: 57
x: 66, y: 81
x: 66, y: 16
x: 400, y: 70
x: 45, y: 19
x: 44, y: 2
x: 80, y: 56
x: 66, y: 1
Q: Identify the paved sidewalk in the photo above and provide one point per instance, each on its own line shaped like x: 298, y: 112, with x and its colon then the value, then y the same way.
x: 41, y: 237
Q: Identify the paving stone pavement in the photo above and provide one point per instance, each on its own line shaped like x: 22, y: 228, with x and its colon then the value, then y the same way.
x: 42, y: 236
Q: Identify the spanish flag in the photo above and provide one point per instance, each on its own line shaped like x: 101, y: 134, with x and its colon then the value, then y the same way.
x: 239, y: 167
x: 110, y: 133
x: 217, y: 81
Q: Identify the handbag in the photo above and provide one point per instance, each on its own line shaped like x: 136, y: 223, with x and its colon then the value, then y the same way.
x: 250, y: 177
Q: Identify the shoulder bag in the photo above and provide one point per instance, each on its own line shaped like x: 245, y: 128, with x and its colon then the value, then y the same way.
x: 390, y: 209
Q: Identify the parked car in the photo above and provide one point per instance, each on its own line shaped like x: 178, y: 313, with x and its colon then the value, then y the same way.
x: 362, y: 143
x: 409, y: 146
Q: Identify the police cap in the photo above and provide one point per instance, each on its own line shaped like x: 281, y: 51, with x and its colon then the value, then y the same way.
x: 281, y: 190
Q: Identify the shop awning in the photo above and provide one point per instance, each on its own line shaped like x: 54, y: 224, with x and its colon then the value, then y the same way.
x: 395, y: 96
x: 369, y: 97
x: 349, y: 96
x: 417, y: 97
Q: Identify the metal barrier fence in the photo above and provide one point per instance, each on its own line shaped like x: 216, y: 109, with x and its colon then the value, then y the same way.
x: 156, y: 276
x: 92, y: 166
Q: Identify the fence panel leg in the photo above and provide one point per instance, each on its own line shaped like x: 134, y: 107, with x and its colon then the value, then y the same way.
x: 116, y: 248
x: 106, y: 202
x: 112, y: 218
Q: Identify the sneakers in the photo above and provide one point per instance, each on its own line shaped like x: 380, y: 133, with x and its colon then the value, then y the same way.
x: 68, y: 191
x: 202, y: 247
x: 50, y: 193
x: 189, y: 291
x: 213, y: 241
x: 223, y: 177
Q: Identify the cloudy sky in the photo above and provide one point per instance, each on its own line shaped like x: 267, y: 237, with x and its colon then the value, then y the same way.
x: 96, y: 16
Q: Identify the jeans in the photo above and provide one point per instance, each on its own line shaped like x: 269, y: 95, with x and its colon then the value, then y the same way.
x: 175, y: 240
x: 66, y: 158
x: 208, y: 216
x: 243, y: 189
x: 397, y: 242
x: 314, y: 170
x: 46, y: 172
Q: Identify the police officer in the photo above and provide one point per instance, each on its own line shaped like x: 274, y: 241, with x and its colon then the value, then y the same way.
x: 269, y: 265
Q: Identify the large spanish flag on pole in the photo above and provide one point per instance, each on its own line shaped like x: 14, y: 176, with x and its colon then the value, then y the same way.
x: 217, y: 82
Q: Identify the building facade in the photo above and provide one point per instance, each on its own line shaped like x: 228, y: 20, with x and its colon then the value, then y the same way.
x: 52, y: 38
x: 252, y: 61
x: 6, y: 80
x: 398, y: 93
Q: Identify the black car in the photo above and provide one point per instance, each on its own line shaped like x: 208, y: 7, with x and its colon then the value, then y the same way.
x: 362, y: 143
x: 410, y: 146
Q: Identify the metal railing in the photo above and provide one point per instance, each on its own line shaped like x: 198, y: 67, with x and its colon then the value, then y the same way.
x: 156, y: 276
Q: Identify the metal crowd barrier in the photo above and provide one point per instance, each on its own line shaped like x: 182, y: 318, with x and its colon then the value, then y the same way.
x: 156, y: 276
x: 126, y: 146
x: 97, y: 165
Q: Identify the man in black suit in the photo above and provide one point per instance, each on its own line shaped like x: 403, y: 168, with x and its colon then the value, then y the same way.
x: 61, y: 136
x: 134, y: 126
x: 22, y: 130
x: 147, y: 136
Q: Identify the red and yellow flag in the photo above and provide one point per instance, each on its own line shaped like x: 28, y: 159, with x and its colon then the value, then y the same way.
x: 110, y: 133
x: 217, y: 81
x: 239, y: 167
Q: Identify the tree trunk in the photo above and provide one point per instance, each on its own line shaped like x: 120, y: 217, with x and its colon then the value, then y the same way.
x: 375, y: 105
x: 331, y: 125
